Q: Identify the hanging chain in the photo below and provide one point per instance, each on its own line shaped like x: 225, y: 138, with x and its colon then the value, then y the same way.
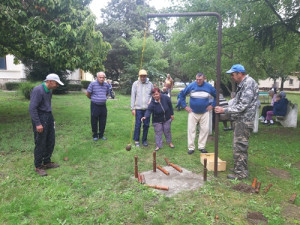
x: 144, y: 44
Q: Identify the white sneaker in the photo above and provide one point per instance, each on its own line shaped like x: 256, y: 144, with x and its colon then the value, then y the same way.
x: 261, y: 118
x: 266, y: 122
x: 271, y: 122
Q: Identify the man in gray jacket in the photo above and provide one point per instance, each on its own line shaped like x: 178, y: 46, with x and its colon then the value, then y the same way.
x: 140, y: 97
x: 242, y: 109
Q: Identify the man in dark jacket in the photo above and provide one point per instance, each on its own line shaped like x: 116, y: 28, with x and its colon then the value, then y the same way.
x: 43, y: 123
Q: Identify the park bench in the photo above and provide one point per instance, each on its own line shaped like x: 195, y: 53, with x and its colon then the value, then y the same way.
x: 291, y: 117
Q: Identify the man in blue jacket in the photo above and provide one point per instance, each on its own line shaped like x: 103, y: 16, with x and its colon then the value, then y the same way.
x: 201, y: 94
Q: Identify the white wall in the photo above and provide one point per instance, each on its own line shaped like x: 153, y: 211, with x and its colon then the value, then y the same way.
x: 268, y: 83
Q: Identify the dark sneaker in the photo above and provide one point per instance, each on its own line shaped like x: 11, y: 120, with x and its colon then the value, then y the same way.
x: 145, y: 143
x: 40, y: 171
x: 190, y: 152
x: 234, y: 176
x: 95, y: 139
x: 203, y: 151
x: 103, y: 138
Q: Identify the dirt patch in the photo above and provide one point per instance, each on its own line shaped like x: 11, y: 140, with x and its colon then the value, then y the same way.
x: 256, y: 218
x: 280, y: 173
x: 242, y: 187
x: 175, y: 181
x: 291, y: 212
x: 297, y: 165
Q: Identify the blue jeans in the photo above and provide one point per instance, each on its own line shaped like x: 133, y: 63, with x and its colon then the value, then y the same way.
x: 138, y: 116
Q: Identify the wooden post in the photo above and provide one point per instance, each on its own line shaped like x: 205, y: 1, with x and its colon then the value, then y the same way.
x: 205, y: 170
x: 268, y: 187
x: 154, y: 161
x: 136, y: 166
x: 254, y: 182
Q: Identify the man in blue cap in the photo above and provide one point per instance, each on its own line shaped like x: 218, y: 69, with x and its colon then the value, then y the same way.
x: 242, y: 109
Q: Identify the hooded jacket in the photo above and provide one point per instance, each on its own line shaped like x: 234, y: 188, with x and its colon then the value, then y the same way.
x: 140, y: 94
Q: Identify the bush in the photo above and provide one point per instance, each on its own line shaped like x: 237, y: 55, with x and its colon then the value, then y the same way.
x: 74, y: 87
x: 12, y: 85
x: 26, y: 88
x: 85, y: 83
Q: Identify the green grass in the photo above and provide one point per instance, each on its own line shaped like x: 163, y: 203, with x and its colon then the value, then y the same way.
x: 96, y: 186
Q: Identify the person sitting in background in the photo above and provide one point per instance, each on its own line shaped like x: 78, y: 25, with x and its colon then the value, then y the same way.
x: 279, y: 108
x: 272, y: 94
x: 223, y: 117
x: 162, y: 115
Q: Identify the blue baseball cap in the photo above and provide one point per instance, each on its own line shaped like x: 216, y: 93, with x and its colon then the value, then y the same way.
x: 237, y: 68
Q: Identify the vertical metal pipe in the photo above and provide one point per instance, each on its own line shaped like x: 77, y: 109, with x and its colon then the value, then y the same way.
x: 154, y: 161
x: 205, y: 170
x: 135, y: 166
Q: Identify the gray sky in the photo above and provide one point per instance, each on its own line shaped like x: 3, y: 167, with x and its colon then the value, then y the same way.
x: 96, y: 5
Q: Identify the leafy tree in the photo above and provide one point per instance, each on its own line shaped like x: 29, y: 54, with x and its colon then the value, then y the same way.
x: 152, y: 60
x: 56, y: 33
x: 194, y: 39
x: 120, y: 19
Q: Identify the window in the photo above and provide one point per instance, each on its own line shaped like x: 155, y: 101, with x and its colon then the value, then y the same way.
x: 291, y: 82
x: 2, y: 63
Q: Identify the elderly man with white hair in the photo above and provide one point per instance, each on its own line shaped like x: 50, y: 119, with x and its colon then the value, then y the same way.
x: 97, y: 92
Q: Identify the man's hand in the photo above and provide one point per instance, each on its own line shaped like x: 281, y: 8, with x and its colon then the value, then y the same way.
x: 133, y: 112
x: 188, y: 109
x: 219, y: 109
x: 39, y: 128
x: 142, y: 119
x: 209, y: 108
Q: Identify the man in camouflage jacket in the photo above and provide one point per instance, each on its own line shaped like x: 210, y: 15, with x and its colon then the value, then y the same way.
x: 242, y: 109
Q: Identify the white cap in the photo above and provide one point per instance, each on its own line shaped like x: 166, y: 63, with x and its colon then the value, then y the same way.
x: 55, y: 77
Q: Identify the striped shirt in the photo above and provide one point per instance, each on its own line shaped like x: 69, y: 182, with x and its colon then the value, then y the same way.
x: 201, y: 96
x: 98, y: 92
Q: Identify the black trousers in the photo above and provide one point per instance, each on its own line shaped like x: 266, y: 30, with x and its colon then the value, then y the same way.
x: 98, y: 115
x: 45, y: 141
x: 265, y: 109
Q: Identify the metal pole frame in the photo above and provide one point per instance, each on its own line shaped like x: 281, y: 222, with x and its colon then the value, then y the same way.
x: 218, y: 69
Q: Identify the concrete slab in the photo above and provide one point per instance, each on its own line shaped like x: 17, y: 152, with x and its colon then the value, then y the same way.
x: 176, y: 181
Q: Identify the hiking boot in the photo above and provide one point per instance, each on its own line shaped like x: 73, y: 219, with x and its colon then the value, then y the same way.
x: 40, y: 171
x: 203, y: 150
x: 190, y: 152
x: 95, y: 139
x: 103, y: 138
x: 50, y: 165
x: 234, y: 176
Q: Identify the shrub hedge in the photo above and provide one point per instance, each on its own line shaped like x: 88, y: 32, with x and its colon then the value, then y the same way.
x: 74, y: 87
x: 12, y: 85
x: 85, y: 83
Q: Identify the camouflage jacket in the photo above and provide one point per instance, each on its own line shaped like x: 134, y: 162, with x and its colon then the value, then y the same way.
x: 243, y: 105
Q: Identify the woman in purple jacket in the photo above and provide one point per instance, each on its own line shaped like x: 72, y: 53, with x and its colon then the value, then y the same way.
x: 162, y: 115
